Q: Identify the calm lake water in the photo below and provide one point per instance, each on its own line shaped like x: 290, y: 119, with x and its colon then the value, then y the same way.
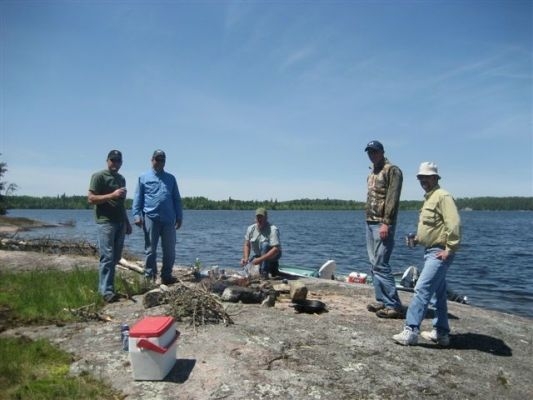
x: 494, y: 267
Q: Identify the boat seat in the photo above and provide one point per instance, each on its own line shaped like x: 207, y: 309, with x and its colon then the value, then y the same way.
x: 327, y: 270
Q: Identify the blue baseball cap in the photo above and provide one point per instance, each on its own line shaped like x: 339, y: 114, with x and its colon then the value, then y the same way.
x: 374, y: 145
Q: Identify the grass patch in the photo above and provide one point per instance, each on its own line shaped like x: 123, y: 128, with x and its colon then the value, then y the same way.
x: 37, y: 370
x: 45, y: 296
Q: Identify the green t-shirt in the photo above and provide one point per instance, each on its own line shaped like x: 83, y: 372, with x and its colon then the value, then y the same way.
x: 105, y: 182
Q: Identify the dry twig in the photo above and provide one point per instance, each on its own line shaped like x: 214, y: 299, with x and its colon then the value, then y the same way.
x: 201, y: 306
x: 88, y: 313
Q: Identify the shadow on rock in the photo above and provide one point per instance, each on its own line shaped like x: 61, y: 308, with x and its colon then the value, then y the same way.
x: 484, y: 343
x: 431, y: 313
x: 181, y: 371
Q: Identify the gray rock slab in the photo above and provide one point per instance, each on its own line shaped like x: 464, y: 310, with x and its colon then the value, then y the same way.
x: 345, y: 353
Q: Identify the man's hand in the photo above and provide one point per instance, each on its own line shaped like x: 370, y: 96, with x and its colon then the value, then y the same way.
x: 383, y: 231
x: 138, y: 222
x: 178, y: 224
x: 443, y: 255
x: 120, y: 193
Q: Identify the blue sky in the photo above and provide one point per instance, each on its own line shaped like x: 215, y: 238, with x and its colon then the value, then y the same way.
x: 268, y: 100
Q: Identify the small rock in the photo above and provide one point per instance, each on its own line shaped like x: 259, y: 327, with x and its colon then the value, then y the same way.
x: 154, y: 298
x: 270, y: 301
x: 282, y: 288
x: 298, y: 291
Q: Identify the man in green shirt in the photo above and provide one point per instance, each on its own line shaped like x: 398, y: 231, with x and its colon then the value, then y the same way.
x: 439, y: 231
x: 107, y: 192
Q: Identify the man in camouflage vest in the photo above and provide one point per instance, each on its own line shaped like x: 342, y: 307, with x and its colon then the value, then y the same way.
x: 384, y: 189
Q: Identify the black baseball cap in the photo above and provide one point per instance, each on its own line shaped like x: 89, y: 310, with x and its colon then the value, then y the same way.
x: 114, y: 155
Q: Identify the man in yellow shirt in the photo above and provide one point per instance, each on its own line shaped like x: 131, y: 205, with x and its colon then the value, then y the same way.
x: 439, y: 231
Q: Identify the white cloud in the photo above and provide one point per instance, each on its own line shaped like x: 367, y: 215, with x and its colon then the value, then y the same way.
x: 297, y: 56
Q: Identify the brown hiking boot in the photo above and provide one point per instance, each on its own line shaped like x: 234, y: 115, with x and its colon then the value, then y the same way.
x: 390, y: 313
x: 376, y: 306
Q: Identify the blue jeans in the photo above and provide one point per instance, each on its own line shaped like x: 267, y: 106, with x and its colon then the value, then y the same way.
x: 268, y: 266
x: 379, y: 252
x: 432, y: 281
x: 153, y: 230
x: 110, y: 244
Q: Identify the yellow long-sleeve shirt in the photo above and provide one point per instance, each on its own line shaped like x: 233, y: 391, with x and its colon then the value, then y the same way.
x: 439, y: 223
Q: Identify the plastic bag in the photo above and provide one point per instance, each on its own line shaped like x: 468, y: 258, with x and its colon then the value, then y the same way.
x: 251, y: 270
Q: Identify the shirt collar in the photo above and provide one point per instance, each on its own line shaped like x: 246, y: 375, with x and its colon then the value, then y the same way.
x: 428, y: 194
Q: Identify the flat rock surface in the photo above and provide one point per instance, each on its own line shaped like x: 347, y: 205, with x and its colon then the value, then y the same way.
x: 344, y: 353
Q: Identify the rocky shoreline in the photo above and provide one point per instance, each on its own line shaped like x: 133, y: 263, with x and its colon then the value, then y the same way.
x: 276, y: 352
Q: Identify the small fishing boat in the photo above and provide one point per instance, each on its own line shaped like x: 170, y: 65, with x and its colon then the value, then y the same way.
x: 325, y: 271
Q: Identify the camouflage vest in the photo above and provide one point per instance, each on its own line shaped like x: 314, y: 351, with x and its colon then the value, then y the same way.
x: 378, y: 184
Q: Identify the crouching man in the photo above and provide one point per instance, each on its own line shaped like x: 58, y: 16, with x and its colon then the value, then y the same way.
x: 262, y: 238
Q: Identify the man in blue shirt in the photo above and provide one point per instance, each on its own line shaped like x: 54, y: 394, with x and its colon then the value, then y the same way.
x: 157, y: 209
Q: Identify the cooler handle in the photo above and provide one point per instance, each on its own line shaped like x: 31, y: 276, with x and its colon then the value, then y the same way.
x: 147, y: 345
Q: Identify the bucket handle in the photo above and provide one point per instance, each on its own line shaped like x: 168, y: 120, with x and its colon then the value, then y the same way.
x: 147, y: 345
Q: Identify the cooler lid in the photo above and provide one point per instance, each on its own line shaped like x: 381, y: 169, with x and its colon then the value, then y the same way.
x: 151, y: 326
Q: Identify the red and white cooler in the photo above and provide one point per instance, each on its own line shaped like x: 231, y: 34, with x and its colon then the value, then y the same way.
x: 152, y: 347
x: 356, y: 277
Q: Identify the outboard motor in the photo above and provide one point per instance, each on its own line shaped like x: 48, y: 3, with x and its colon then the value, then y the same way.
x: 458, y: 298
x: 409, y: 277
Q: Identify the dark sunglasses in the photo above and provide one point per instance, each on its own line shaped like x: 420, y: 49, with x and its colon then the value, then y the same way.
x: 160, y: 159
x: 115, y: 159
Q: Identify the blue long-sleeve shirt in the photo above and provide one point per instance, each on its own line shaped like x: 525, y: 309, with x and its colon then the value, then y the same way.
x: 157, y: 197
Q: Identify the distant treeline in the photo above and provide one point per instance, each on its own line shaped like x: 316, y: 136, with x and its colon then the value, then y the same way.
x: 202, y: 203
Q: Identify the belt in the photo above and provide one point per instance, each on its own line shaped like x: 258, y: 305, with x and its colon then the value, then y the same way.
x: 436, y: 246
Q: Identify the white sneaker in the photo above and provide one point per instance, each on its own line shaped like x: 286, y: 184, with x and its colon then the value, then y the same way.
x: 408, y: 337
x: 443, y: 339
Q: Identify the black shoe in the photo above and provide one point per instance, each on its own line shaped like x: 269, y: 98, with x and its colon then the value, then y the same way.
x: 169, y: 281
x: 111, y: 298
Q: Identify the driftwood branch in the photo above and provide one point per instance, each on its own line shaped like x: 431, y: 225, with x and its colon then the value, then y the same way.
x: 131, y: 266
x: 49, y: 245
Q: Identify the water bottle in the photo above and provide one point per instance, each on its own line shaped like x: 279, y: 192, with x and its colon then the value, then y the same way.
x: 125, y: 336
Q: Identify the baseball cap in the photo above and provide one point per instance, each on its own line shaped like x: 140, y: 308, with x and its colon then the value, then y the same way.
x: 261, y: 211
x: 159, y: 153
x: 114, y: 155
x: 374, y: 145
